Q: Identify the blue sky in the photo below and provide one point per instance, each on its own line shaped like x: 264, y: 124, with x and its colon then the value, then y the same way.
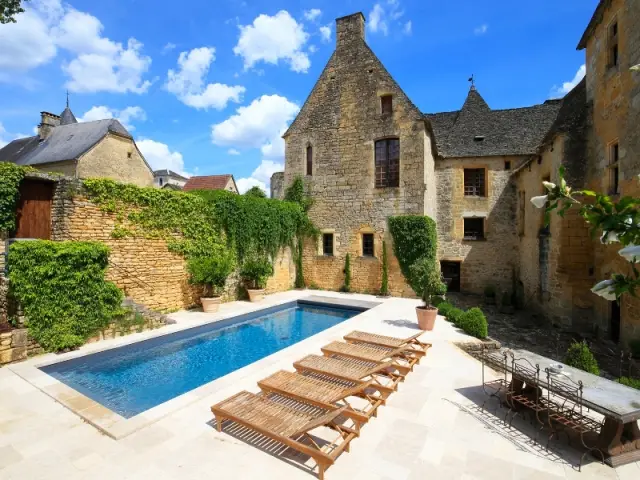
x: 207, y: 87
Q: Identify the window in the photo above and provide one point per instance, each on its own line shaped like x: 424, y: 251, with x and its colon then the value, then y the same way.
x: 309, y: 160
x: 613, y: 44
x: 614, y: 169
x: 474, y: 228
x: 386, y: 104
x: 474, y: 182
x: 327, y: 244
x: 160, y: 181
x: 387, y: 163
x: 507, y: 165
x: 367, y: 245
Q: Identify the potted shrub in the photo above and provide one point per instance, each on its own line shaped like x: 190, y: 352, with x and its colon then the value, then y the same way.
x: 211, y: 272
x: 428, y: 280
x: 490, y: 295
x: 506, y: 305
x: 255, y: 272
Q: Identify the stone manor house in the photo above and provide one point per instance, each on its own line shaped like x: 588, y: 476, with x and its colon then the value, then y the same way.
x: 367, y: 152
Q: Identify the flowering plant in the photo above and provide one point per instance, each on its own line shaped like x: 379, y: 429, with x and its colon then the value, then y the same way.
x: 619, y: 222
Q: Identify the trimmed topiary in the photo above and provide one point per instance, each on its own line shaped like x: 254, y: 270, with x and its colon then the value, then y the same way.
x: 579, y: 356
x: 444, y: 308
x: 474, y: 323
x: 454, y: 316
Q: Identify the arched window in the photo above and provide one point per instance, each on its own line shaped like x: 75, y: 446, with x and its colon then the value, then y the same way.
x: 309, y: 160
x: 387, y: 163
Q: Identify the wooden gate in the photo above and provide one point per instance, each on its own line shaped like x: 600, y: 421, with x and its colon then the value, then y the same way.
x: 33, y: 216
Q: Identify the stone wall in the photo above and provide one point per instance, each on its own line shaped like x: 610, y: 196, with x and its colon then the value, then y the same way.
x: 277, y: 185
x: 340, y: 121
x: 483, y: 262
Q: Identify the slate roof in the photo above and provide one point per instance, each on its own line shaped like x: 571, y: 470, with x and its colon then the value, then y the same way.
x: 67, y: 117
x: 478, y: 131
x: 66, y: 142
x: 168, y: 173
x: 210, y: 182
x: 596, y: 18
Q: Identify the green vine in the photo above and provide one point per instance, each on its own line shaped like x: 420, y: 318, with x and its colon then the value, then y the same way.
x: 384, y: 287
x: 62, y: 290
x: 10, y: 177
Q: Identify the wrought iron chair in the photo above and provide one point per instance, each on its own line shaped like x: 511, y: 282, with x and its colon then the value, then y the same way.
x: 497, y: 387
x: 531, y: 400
x: 565, y: 410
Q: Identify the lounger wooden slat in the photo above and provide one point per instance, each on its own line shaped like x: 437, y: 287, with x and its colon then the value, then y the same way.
x: 352, y: 370
x: 411, y: 343
x: 402, y: 362
x: 285, y: 424
x: 323, y: 393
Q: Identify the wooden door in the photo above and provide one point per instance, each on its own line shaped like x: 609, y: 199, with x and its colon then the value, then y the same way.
x: 33, y: 216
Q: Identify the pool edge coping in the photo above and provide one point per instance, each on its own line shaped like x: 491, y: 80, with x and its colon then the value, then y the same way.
x: 115, y: 425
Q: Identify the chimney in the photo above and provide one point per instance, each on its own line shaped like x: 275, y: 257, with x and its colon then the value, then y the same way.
x: 349, y: 29
x: 48, y: 121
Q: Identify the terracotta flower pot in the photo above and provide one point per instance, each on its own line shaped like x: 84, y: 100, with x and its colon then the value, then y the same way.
x: 210, y: 304
x: 255, y: 295
x: 426, y: 317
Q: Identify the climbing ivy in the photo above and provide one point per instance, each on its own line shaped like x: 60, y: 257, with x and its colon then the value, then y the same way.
x: 62, y: 290
x: 10, y: 177
x: 414, y: 239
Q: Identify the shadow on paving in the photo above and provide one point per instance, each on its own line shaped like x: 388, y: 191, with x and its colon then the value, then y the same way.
x: 522, y: 432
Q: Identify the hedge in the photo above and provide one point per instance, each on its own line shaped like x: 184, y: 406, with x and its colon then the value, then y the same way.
x: 62, y: 290
x: 579, y: 356
x: 474, y: 323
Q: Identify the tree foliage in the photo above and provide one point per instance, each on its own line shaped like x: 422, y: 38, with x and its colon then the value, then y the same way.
x: 10, y: 177
x: 62, y: 290
x: 256, y: 192
x: 211, y: 270
x: 346, y: 286
x: 255, y: 271
x: 9, y: 9
x: 384, y: 287
x: 579, y: 356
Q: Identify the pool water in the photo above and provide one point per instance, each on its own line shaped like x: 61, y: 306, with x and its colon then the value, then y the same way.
x: 134, y: 378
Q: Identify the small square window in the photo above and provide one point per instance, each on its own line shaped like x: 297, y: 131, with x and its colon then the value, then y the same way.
x: 507, y: 165
x: 474, y: 228
x: 367, y: 245
x: 474, y: 182
x: 386, y: 104
x: 327, y: 244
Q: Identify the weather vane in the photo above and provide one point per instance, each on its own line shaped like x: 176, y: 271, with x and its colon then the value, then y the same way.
x: 471, y: 79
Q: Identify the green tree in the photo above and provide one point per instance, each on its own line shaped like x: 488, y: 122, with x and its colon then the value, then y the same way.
x: 255, y: 192
x: 347, y: 274
x: 8, y: 10
x: 384, y: 287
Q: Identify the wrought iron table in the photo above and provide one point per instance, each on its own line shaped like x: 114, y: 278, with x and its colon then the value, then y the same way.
x: 619, y: 439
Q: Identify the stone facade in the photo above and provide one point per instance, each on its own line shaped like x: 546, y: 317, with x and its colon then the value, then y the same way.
x: 341, y: 121
x: 277, y: 185
x: 116, y: 157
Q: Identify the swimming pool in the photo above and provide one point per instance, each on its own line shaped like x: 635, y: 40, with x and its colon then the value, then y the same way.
x: 131, y: 379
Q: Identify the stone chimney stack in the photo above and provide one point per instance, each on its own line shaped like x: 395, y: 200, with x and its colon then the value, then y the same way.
x: 48, y: 121
x: 349, y: 29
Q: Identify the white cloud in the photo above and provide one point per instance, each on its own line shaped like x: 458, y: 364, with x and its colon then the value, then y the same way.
x: 377, y: 21
x: 312, y: 14
x: 566, y: 87
x: 6, y: 137
x: 258, y: 125
x: 3, y: 136
x: 325, y: 33
x: 481, y: 30
x: 168, y: 48
x: 270, y: 39
x: 187, y: 83
x: 100, y: 63
x: 159, y: 156
x: 384, y: 15
x: 261, y: 176
x: 233, y: 151
x: 124, y: 116
x: 313, y: 49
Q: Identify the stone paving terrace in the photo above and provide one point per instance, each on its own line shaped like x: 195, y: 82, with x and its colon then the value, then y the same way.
x: 431, y: 428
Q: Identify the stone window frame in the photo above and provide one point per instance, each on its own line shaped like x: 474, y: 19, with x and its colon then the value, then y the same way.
x: 383, y: 139
x: 483, y: 167
x: 376, y: 242
x: 484, y: 229
x: 383, y: 97
x: 320, y: 243
x: 613, y: 167
x: 308, y: 162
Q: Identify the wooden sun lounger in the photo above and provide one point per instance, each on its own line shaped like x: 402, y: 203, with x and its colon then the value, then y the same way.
x: 286, y: 425
x: 402, y: 362
x: 323, y: 393
x: 352, y: 370
x: 412, y: 344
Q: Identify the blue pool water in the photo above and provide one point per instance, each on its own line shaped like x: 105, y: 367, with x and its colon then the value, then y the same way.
x: 133, y: 378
